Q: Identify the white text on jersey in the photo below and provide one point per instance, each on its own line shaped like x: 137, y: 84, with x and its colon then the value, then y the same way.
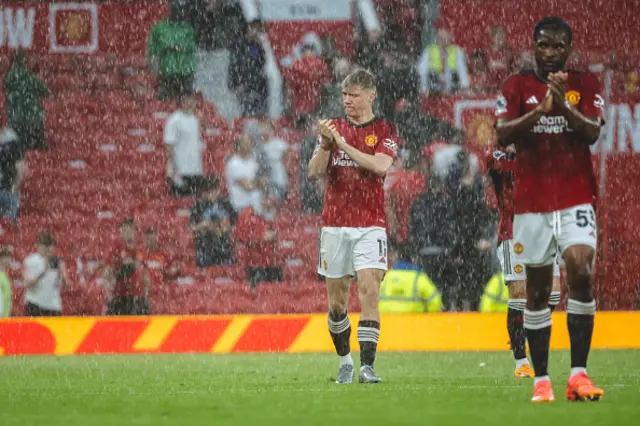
x: 343, y: 160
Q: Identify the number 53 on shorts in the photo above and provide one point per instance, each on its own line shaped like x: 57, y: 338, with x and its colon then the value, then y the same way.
x: 537, y: 236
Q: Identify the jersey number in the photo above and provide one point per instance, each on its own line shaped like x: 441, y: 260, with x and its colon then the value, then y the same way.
x: 382, y: 247
x: 585, y: 218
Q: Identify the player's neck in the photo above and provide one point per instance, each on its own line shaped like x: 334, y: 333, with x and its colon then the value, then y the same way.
x: 362, y: 118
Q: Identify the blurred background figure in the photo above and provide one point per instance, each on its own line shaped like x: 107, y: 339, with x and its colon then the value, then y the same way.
x: 210, y: 222
x: 257, y: 242
x: 442, y: 67
x: 242, y: 176
x: 452, y: 231
x: 247, y: 76
x: 172, y: 52
x: 6, y: 293
x: 13, y: 171
x: 407, y: 289
x: 24, y: 93
x: 275, y: 154
x: 182, y: 137
x: 43, y: 275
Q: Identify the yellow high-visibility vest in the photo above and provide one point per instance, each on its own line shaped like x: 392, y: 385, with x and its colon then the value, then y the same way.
x: 496, y: 295
x: 408, y: 291
x: 435, y: 60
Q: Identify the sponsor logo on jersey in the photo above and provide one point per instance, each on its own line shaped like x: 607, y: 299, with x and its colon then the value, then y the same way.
x: 343, y: 160
x: 501, y: 105
x: 518, y: 269
x: 390, y: 144
x: 371, y: 140
x: 518, y: 248
x: 551, y: 125
x: 572, y: 97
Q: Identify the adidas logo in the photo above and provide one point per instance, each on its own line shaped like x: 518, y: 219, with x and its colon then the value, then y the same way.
x: 532, y: 100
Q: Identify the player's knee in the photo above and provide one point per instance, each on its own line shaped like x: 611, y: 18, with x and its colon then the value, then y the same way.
x: 337, y: 308
x: 580, y: 282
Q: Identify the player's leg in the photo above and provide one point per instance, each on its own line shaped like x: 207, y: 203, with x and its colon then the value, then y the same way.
x: 370, y: 264
x: 514, y: 277
x: 578, y: 241
x: 554, y: 298
x: 334, y: 254
x: 535, y: 247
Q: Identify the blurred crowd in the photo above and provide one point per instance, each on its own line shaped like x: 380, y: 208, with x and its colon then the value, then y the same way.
x: 439, y: 204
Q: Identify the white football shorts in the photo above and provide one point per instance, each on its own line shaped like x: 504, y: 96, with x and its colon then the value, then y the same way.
x: 344, y: 251
x: 512, y: 268
x: 537, y: 237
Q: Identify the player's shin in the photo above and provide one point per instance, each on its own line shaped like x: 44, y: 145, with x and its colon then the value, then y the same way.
x: 369, y: 325
x: 581, y: 306
x: 515, y: 327
x: 537, y: 318
x: 340, y: 330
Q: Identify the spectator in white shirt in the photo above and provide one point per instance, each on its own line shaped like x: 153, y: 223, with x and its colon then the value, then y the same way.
x: 184, y: 148
x: 442, y: 67
x: 274, y: 152
x: 242, y: 177
x: 43, y: 276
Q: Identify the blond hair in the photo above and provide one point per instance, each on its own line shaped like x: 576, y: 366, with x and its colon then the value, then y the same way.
x: 362, y: 78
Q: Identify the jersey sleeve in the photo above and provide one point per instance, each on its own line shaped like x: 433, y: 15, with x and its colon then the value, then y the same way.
x: 389, y: 144
x: 509, y: 102
x: 592, y: 103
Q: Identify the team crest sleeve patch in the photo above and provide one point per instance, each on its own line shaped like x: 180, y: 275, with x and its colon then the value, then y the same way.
x: 501, y: 105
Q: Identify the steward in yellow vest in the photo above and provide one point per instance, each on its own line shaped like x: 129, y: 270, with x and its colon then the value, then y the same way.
x: 407, y: 289
x: 495, y: 296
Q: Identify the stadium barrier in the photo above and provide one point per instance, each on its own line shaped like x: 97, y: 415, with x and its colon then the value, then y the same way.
x: 282, y: 333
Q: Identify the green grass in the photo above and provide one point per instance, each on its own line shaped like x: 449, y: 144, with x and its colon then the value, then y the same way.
x: 418, y: 388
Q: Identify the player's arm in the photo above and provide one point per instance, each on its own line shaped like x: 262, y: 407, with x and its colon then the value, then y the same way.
x: 322, y: 153
x: 587, y: 125
x: 510, y: 124
x: 379, y: 163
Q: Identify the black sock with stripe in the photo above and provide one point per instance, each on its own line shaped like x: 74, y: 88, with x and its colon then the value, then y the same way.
x: 368, y: 335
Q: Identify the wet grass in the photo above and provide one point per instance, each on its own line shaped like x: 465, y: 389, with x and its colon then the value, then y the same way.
x: 419, y: 388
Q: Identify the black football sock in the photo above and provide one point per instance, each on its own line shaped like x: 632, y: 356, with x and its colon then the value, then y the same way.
x: 580, y: 317
x: 340, y: 330
x: 515, y: 327
x: 368, y: 335
x: 537, y: 325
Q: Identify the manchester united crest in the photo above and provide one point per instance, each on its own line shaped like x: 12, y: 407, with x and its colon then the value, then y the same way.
x: 371, y: 140
x: 572, y: 97
x: 324, y: 263
x: 518, y: 269
x: 518, y: 248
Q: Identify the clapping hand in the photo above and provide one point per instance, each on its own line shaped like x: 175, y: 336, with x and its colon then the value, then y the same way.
x: 557, y: 87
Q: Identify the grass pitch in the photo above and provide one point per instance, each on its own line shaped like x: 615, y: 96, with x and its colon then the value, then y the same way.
x: 268, y: 389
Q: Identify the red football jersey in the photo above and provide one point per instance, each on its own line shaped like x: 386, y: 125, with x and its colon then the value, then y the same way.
x: 553, y: 165
x: 354, y: 197
x: 117, y: 258
x: 406, y: 188
x: 158, y: 263
x: 501, y: 170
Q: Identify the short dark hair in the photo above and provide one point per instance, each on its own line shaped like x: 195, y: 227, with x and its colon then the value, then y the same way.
x: 46, y: 239
x: 128, y: 221
x: 6, y: 252
x: 150, y: 230
x: 552, y: 23
x: 360, y: 77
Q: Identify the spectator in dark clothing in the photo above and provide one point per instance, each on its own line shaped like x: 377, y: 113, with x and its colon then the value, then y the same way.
x: 247, y: 76
x: 12, y: 172
x: 210, y: 222
x: 397, y: 78
x: 218, y: 23
x: 418, y: 129
x: 452, y: 231
x: 24, y: 93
